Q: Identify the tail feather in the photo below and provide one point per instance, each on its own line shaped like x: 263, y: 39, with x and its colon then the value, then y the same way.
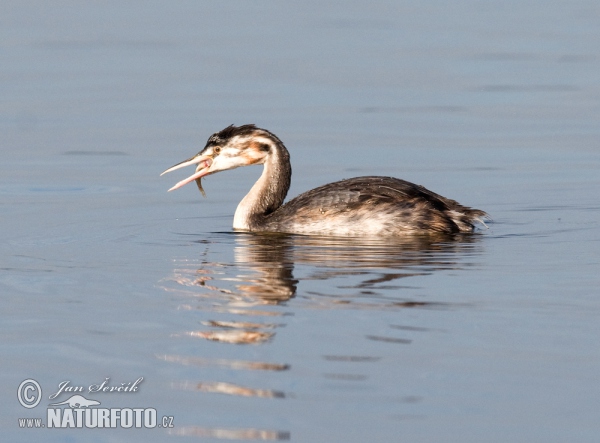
x: 467, y: 219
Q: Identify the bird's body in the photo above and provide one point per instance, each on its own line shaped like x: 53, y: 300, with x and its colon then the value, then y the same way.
x: 361, y: 206
x: 370, y: 206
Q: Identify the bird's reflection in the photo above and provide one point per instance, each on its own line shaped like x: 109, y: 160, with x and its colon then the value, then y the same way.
x: 250, y: 282
x: 266, y: 261
x: 266, y: 265
x: 345, y: 269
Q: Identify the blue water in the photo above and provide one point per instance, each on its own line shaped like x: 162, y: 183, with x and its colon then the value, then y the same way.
x: 103, y: 274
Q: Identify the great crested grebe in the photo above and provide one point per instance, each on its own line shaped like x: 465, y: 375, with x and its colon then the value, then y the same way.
x: 361, y: 206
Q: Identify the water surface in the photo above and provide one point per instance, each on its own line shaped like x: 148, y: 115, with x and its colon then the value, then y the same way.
x: 489, y: 337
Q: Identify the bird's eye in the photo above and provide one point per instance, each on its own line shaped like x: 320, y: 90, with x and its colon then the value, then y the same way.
x: 217, y: 149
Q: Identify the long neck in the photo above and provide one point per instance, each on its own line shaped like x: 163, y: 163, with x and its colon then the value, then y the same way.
x: 269, y: 191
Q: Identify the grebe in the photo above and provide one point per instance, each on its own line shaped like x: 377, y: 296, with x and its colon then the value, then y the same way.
x: 361, y: 206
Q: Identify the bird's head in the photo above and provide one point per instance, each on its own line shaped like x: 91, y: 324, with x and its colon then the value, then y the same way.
x: 230, y: 148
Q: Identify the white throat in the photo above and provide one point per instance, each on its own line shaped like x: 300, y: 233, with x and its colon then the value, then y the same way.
x: 248, y: 205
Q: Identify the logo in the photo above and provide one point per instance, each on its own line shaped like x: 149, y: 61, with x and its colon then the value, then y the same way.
x: 29, y: 393
x: 77, y: 401
x: 78, y: 411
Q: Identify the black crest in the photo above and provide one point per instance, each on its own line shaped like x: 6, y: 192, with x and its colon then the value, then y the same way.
x: 230, y: 131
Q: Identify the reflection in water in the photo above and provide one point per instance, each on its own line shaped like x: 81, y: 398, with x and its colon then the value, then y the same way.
x: 238, y: 324
x: 263, y: 271
x: 224, y: 363
x: 269, y: 259
x: 230, y: 389
x: 235, y: 336
x: 402, y: 341
x: 360, y: 273
x: 270, y: 271
x: 230, y: 434
x: 268, y: 265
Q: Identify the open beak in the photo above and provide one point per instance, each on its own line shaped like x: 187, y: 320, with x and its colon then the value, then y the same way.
x: 204, y: 162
